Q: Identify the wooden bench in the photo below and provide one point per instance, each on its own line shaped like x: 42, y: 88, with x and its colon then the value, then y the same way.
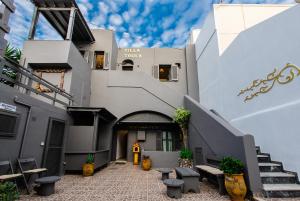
x: 190, y: 178
x: 213, y: 175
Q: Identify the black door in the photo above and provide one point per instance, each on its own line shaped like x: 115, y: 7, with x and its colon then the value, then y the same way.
x: 53, y: 153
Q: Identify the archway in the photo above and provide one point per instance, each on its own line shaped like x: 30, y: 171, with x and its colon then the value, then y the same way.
x: 154, y: 131
x: 127, y: 65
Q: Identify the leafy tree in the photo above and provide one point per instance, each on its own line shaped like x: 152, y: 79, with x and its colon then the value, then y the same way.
x: 182, y: 117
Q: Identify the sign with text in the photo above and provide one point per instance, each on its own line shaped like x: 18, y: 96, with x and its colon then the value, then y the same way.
x: 8, y: 107
x: 132, y: 53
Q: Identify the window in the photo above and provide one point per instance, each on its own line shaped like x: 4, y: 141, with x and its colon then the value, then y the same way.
x: 164, y: 73
x: 8, y: 125
x: 99, y: 60
x: 167, y: 141
x: 127, y: 65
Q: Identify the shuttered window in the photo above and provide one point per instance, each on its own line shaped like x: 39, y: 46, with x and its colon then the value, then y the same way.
x: 106, y: 61
x: 174, y: 73
x: 155, y: 71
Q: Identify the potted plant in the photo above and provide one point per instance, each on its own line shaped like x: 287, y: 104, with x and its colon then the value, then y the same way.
x: 182, y: 117
x: 234, y: 178
x: 186, y: 158
x: 146, y: 163
x: 88, y: 167
x: 8, y: 191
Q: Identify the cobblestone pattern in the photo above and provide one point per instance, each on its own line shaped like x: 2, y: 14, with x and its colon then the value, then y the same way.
x: 121, y: 183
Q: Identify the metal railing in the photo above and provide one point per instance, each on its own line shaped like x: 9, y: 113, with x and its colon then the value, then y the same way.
x: 25, y: 78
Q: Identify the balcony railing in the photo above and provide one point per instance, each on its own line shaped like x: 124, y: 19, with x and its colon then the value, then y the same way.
x: 23, y: 78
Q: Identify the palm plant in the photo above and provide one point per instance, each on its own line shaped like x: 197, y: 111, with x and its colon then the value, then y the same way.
x: 14, y: 54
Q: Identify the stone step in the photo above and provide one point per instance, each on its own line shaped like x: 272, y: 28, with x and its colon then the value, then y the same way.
x: 278, y: 178
x: 263, y: 158
x: 281, y: 190
x: 270, y: 167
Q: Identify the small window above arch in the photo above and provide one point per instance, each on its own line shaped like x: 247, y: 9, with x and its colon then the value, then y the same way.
x: 127, y: 65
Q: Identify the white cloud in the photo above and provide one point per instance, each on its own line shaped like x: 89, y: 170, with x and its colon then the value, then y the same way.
x: 116, y: 19
x: 126, y: 16
x: 103, y: 8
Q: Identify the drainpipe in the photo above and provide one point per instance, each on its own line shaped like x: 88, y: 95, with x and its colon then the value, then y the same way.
x: 16, y: 100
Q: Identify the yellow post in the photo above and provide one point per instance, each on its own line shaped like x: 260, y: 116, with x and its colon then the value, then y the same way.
x: 136, y: 151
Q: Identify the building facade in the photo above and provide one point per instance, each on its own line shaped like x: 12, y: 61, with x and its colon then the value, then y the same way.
x: 85, y: 95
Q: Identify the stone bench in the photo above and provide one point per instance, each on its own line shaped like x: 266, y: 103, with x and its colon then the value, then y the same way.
x: 165, y: 173
x: 174, y: 187
x: 46, y: 185
x: 190, y: 178
x: 213, y: 175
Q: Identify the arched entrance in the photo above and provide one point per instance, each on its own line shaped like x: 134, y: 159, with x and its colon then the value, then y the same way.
x: 154, y: 131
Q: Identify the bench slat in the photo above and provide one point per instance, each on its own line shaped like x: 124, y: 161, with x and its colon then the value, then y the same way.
x: 210, y: 169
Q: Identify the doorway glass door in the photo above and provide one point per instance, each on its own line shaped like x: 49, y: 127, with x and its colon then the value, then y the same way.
x: 54, y: 147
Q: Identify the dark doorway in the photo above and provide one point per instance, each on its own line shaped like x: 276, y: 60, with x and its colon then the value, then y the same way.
x: 53, y: 152
x: 122, y: 145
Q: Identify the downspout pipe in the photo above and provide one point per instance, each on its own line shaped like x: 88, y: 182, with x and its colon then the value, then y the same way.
x: 16, y: 100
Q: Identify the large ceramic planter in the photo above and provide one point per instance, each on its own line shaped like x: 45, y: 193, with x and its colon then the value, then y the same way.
x: 88, y: 169
x: 146, y: 163
x: 236, y: 186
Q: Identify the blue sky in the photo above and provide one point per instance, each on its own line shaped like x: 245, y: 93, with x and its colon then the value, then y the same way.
x: 137, y: 23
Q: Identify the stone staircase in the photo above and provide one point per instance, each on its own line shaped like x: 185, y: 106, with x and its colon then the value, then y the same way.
x: 276, y: 181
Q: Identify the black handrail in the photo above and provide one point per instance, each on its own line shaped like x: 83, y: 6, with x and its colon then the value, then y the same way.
x: 8, y: 63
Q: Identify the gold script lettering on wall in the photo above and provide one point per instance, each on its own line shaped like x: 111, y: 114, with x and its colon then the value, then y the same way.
x: 40, y: 72
x: 263, y: 86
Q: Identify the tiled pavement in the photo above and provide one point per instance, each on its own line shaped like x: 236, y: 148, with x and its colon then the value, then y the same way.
x: 121, y: 183
x: 125, y: 183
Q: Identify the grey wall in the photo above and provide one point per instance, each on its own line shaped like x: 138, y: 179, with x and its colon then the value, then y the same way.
x: 149, y: 144
x: 161, y: 159
x: 37, y: 127
x: 123, y: 93
x: 155, y: 56
x: 61, y: 54
x: 218, y: 139
x: 192, y: 72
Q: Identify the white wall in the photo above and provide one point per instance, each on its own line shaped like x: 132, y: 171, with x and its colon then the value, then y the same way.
x: 253, y: 54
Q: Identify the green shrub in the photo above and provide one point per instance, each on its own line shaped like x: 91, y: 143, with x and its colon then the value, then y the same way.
x: 8, y: 191
x: 182, y: 117
x: 186, y: 154
x: 90, y: 159
x: 231, y: 165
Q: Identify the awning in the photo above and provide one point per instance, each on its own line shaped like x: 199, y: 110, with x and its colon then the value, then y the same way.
x: 57, y: 12
x: 103, y: 113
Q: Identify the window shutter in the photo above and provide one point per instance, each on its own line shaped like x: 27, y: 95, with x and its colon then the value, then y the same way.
x: 174, y: 73
x: 106, y: 61
x: 91, y: 58
x: 155, y: 71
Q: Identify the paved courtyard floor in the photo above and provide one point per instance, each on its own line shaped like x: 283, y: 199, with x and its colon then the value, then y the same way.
x: 124, y: 183
x: 121, y: 183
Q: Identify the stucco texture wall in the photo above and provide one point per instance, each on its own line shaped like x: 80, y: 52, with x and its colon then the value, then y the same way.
x: 253, y: 54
